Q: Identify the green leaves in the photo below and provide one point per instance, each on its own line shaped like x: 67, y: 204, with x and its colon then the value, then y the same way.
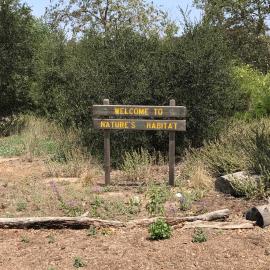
x: 16, y: 55
x: 160, y: 230
x: 107, y: 16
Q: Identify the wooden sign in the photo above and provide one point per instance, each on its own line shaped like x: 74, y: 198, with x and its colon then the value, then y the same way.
x: 131, y: 123
x: 142, y: 111
x: 139, y: 124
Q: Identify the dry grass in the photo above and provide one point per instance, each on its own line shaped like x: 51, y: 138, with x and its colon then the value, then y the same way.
x: 200, y: 178
x: 60, y: 149
x: 228, y: 154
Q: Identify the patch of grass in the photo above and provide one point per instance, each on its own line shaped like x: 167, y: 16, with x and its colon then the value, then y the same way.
x: 257, y: 146
x: 25, y: 239
x: 189, y: 196
x: 11, y: 146
x: 51, y: 239
x: 78, y: 262
x: 136, y: 165
x: 92, y: 231
x: 199, y: 236
x: 21, y: 206
x: 157, y: 196
x: 242, y: 146
x: 105, y: 231
x: 160, y: 230
x: 62, y: 149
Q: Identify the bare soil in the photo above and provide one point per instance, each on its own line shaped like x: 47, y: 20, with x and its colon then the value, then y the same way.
x: 128, y: 249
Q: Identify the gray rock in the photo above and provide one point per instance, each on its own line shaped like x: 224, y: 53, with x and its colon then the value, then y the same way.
x: 223, y: 183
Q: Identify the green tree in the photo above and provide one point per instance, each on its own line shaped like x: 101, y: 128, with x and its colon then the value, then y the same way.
x: 16, y: 54
x: 106, y: 15
x: 245, y: 24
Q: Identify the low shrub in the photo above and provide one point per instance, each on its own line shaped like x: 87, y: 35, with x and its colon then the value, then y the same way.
x: 249, y: 187
x: 242, y: 146
x: 78, y: 262
x: 257, y: 147
x: 160, y: 230
x: 228, y: 153
x: 199, y: 236
x: 136, y: 165
x: 157, y: 196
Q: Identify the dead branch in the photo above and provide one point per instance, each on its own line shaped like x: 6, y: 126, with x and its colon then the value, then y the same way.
x: 219, y: 225
x: 85, y: 222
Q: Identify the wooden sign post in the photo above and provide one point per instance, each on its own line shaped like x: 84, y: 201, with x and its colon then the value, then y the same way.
x: 128, y: 122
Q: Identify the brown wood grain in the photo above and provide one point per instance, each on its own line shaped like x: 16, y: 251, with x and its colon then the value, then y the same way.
x: 139, y: 124
x: 107, y: 152
x: 142, y: 111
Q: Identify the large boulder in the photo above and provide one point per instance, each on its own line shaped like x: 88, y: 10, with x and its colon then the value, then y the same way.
x: 224, y: 183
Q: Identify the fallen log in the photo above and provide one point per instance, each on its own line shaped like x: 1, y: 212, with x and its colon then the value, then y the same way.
x: 220, y: 214
x: 260, y: 214
x: 85, y: 222
x: 219, y: 225
x: 56, y: 223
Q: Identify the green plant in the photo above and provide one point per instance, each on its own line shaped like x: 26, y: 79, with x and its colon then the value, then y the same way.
x: 136, y: 165
x: 11, y: 146
x: 51, y: 239
x: 105, y: 231
x: 134, y: 205
x: 248, y: 187
x: 157, y: 197
x: 92, y: 231
x: 199, y: 236
x: 72, y: 209
x: 159, y: 230
x: 21, y: 206
x: 78, y: 262
x: 257, y: 147
x: 25, y: 239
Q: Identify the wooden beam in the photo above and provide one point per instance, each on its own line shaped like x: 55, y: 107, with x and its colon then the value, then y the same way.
x: 172, y: 153
x: 138, y: 110
x: 139, y: 124
x: 107, y: 152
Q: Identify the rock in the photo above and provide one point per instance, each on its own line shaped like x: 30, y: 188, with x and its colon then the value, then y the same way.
x: 223, y: 183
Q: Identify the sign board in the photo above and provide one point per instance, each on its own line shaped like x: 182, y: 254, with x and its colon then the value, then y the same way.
x: 141, y: 111
x: 139, y: 124
x: 126, y: 121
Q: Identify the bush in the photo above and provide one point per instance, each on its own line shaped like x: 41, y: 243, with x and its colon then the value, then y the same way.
x: 160, y: 230
x: 257, y: 147
x: 199, y: 236
x: 242, y: 146
x: 129, y: 68
x: 78, y: 262
x: 157, y: 195
x: 136, y: 165
x: 257, y: 87
x: 248, y: 187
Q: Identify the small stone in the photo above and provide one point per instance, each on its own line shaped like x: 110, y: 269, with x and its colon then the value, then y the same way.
x: 267, y: 252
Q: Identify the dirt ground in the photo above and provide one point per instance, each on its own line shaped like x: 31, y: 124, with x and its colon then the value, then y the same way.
x: 131, y: 249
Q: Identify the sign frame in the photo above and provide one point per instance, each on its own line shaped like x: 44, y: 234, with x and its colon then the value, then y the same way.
x: 175, y: 121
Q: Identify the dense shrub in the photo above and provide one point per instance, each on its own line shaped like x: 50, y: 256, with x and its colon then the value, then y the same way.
x: 16, y: 55
x: 257, y: 87
x: 129, y: 68
x: 242, y: 145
